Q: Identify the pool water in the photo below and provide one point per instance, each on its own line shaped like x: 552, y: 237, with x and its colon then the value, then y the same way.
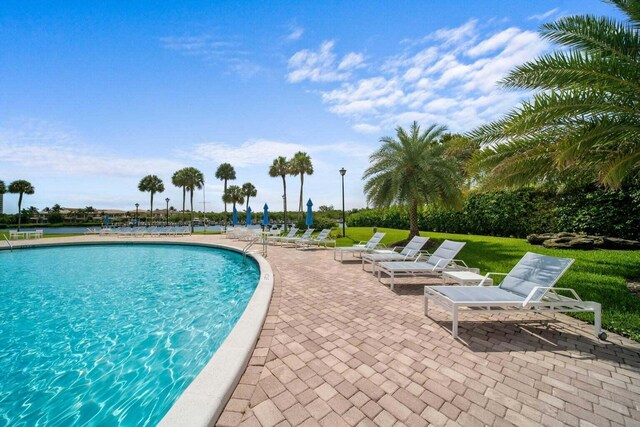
x: 111, y: 334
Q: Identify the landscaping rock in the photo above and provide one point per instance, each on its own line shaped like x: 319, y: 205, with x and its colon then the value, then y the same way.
x: 569, y: 243
x: 615, y: 243
x: 581, y: 241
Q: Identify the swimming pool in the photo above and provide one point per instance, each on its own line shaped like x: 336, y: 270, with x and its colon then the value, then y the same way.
x: 107, y: 334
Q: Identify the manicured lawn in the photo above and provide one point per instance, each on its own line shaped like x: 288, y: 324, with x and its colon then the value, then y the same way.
x: 596, y: 275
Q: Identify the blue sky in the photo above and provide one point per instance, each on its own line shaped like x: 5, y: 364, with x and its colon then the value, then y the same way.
x: 96, y: 95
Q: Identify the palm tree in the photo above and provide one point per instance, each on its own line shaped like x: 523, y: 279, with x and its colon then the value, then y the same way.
x: 281, y: 167
x: 21, y: 187
x: 193, y: 179
x: 225, y: 172
x: 582, y: 125
x: 413, y: 170
x: 248, y: 190
x: 233, y: 195
x: 300, y: 165
x: 153, y: 185
x: 178, y: 180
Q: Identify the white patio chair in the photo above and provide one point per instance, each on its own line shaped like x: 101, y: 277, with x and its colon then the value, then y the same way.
x: 442, y: 259
x: 360, y: 248
x: 320, y: 239
x: 293, y: 240
x: 409, y: 252
x: 528, y: 287
x: 277, y: 239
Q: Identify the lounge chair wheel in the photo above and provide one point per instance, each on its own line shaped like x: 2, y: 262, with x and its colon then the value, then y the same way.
x: 603, y: 336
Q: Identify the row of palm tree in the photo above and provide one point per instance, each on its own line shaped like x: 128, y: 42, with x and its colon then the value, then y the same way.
x: 582, y: 126
x: 20, y: 187
x: 191, y: 179
x: 299, y: 164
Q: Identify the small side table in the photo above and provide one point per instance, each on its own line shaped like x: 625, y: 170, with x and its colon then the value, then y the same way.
x: 465, y: 278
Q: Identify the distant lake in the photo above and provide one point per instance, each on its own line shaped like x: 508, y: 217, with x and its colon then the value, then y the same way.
x: 81, y: 230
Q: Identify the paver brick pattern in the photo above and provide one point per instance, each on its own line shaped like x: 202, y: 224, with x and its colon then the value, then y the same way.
x: 339, y: 348
x: 348, y: 351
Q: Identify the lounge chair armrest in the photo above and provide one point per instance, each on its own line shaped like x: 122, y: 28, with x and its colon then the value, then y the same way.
x: 549, y: 289
x: 443, y: 262
x: 490, y: 273
x: 459, y: 261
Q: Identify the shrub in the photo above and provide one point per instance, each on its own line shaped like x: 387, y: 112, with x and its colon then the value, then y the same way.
x: 521, y: 212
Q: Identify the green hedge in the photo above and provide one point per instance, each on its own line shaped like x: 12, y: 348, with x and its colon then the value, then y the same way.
x: 522, y: 212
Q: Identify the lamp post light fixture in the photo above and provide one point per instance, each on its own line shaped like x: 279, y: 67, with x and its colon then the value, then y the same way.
x: 137, y: 220
x: 167, y: 200
x: 342, y: 172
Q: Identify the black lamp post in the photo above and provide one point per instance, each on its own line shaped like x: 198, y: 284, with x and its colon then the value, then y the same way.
x: 342, y: 172
x: 167, y: 200
x: 137, y: 220
x: 284, y: 208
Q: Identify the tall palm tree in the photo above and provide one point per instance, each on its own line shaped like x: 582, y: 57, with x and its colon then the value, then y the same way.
x: 21, y: 187
x: 225, y: 173
x: 413, y: 169
x: 193, y: 179
x: 281, y: 167
x: 178, y: 180
x: 248, y: 191
x: 153, y: 185
x: 582, y: 124
x: 300, y: 165
x: 233, y: 195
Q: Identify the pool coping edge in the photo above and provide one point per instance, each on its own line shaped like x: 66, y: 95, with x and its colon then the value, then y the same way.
x: 203, y: 401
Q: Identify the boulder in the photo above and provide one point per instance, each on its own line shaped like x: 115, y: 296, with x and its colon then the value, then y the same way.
x: 581, y: 241
x: 616, y: 243
x: 569, y: 243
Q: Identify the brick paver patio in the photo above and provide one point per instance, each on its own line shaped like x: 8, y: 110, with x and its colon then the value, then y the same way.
x: 340, y: 349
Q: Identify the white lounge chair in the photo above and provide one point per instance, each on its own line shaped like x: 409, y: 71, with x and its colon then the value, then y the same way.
x: 409, y: 252
x: 293, y: 240
x: 320, y: 239
x: 277, y: 239
x: 529, y: 286
x: 442, y: 259
x: 361, y: 248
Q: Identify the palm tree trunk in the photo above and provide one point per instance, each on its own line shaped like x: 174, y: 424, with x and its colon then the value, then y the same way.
x: 284, y: 186
x: 301, y: 186
x: 152, y: 208
x: 19, y: 211
x: 225, y: 203
x: 184, y: 197
x: 191, y: 213
x: 413, y: 219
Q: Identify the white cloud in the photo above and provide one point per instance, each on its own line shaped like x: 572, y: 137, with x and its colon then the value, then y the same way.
x: 494, y: 42
x: 366, y: 128
x: 320, y: 65
x: 250, y: 153
x: 445, y: 76
x: 545, y: 15
x: 295, y: 34
x: 351, y: 61
x: 214, y: 49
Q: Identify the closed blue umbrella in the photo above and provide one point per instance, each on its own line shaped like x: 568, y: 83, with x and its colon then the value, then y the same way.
x: 248, y: 215
x: 234, y: 218
x: 265, y: 215
x: 309, y: 220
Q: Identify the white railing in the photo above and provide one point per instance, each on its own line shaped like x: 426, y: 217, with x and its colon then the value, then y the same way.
x: 253, y: 241
x: 8, y: 242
